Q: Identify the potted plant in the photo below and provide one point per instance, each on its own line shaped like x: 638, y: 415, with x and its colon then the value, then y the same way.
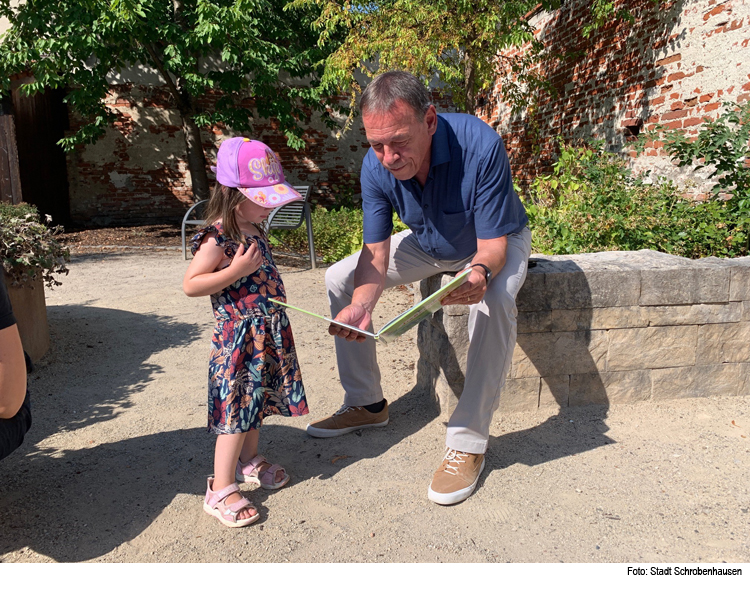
x: 31, y: 256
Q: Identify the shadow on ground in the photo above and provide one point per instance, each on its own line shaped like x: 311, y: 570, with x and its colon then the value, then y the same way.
x: 58, y: 501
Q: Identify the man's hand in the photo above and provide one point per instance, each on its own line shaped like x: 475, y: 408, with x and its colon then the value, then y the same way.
x: 356, y: 315
x: 471, y: 292
x: 246, y: 262
x: 491, y: 253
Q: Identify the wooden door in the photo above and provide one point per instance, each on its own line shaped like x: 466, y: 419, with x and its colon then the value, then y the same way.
x: 10, y: 177
x: 40, y: 121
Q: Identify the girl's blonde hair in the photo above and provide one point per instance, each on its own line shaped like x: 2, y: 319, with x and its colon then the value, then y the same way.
x: 221, y: 206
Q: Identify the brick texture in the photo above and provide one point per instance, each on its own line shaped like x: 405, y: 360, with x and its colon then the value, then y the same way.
x: 138, y: 171
x: 673, y: 66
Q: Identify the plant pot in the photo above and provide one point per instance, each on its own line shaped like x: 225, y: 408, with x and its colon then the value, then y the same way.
x: 30, y: 310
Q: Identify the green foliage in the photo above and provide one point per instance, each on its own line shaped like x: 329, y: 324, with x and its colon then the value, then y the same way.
x: 456, y: 41
x: 722, y: 145
x: 462, y: 44
x: 592, y: 202
x: 81, y: 44
x: 603, y: 11
x: 337, y: 232
x: 28, y: 248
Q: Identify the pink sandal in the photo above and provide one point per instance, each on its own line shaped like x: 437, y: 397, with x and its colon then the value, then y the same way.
x: 227, y: 514
x: 251, y: 472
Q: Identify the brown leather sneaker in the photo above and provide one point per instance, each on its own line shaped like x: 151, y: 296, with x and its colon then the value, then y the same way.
x: 348, y: 419
x: 456, y: 478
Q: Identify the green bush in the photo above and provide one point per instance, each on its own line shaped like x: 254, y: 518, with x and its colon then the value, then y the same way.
x: 28, y: 248
x: 723, y: 146
x: 337, y: 233
x: 593, y: 202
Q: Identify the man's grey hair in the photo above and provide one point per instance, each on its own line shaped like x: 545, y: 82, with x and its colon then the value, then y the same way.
x: 386, y: 89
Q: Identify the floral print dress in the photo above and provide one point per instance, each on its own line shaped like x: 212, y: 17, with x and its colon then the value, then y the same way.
x: 253, y: 370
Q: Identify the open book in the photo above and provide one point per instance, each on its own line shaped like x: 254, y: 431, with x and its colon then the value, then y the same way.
x: 403, y: 322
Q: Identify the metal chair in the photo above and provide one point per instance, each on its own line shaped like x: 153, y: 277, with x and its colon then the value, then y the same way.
x: 291, y: 216
x: 286, y: 217
x: 196, y: 211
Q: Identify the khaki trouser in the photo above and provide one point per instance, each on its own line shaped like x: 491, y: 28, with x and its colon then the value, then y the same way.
x: 492, y: 334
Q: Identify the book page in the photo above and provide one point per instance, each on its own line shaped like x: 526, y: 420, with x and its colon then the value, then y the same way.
x: 331, y: 320
x: 428, y: 306
x: 403, y: 322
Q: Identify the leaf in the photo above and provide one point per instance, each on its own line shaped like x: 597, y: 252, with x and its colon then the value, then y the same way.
x: 337, y: 458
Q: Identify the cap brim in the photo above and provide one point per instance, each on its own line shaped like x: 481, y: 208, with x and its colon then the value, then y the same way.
x: 272, y: 196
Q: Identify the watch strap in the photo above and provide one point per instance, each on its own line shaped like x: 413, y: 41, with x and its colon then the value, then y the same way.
x: 487, y: 271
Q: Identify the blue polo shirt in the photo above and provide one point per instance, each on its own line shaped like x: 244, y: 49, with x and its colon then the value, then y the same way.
x: 468, y: 193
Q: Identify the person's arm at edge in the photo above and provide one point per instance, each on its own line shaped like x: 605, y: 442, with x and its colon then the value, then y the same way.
x: 369, y: 282
x: 12, y: 372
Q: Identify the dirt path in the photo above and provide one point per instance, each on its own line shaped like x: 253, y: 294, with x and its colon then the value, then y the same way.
x: 119, y: 453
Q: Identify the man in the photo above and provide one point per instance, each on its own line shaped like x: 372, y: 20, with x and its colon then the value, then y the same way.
x: 449, y: 179
x: 15, y: 414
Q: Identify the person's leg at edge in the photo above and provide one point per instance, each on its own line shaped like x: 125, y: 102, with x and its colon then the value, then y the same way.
x: 226, y: 454
x: 492, y: 337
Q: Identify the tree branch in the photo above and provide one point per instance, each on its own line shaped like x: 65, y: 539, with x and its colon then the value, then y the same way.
x: 179, y: 99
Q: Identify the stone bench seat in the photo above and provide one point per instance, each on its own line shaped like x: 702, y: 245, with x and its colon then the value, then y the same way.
x: 607, y: 328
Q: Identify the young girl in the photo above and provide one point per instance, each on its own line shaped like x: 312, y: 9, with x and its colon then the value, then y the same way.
x: 253, y: 370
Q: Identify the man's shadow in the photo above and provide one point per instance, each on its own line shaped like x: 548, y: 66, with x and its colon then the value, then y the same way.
x: 558, y: 340
x: 556, y: 337
x: 60, y: 502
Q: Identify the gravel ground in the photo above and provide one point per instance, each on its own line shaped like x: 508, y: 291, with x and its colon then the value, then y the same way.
x: 148, y: 235
x: 118, y: 453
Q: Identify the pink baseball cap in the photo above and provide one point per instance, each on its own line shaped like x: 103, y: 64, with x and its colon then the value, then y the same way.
x: 253, y: 168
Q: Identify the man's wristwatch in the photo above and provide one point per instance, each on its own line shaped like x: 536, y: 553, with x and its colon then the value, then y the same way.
x: 487, y: 272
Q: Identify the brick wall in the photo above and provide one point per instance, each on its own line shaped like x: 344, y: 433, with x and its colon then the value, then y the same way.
x: 137, y: 172
x: 673, y: 65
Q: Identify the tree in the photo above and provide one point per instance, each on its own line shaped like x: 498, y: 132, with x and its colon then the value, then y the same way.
x: 238, y: 49
x: 462, y: 43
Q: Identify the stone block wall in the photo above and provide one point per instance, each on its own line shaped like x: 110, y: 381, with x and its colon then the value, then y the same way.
x: 607, y: 328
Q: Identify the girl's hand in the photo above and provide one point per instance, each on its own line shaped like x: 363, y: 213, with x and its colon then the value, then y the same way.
x: 204, y: 276
x: 246, y: 262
